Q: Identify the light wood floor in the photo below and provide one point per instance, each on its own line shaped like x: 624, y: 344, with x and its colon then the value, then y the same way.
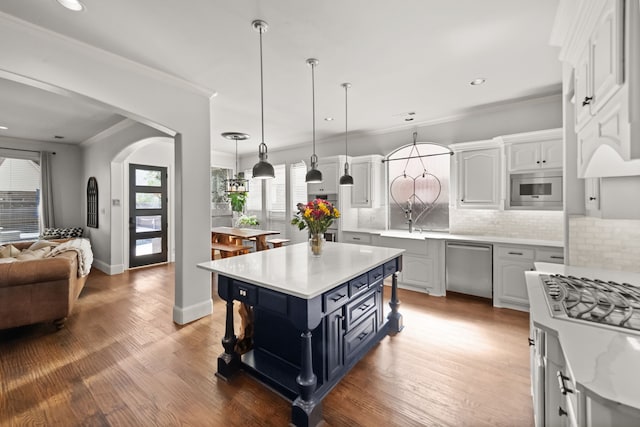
x: 121, y: 361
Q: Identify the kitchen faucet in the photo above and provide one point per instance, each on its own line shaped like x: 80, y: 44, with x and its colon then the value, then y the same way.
x: 407, y: 214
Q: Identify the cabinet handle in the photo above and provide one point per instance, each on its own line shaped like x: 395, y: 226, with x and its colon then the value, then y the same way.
x: 587, y: 100
x: 462, y: 200
x: 338, y: 298
x: 364, y: 307
x: 556, y: 257
x: 361, y: 285
x: 362, y: 335
x: 515, y: 253
x: 538, y: 162
x: 592, y: 198
x: 531, y: 342
x: 339, y: 316
x: 544, y: 161
x: 355, y: 238
x: 561, y: 379
x: 561, y: 412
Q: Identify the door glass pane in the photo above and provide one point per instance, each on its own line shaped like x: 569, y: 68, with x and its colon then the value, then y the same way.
x: 148, y: 178
x: 148, y: 200
x: 148, y: 223
x: 148, y: 246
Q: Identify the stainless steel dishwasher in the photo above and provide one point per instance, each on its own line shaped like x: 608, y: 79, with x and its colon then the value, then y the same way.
x: 469, y: 268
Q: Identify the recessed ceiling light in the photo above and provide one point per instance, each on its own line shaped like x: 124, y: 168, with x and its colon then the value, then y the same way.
x: 3, y: 128
x: 74, y: 5
x: 328, y: 119
x: 476, y: 82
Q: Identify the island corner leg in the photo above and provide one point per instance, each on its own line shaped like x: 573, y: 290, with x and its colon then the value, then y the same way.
x: 395, y: 318
x: 306, y: 410
x: 229, y: 361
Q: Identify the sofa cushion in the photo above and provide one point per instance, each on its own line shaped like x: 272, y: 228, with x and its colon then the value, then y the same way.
x: 28, y: 254
x: 42, y: 244
x: 61, y: 233
x: 8, y: 251
x: 7, y: 260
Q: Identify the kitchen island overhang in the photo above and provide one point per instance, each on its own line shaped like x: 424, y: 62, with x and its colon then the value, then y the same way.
x: 314, y: 317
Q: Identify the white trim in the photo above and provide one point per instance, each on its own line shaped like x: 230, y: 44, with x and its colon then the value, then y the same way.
x: 107, y: 268
x: 194, y: 312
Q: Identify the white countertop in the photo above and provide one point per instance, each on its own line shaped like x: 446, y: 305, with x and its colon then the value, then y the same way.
x: 606, y: 361
x: 293, y: 270
x: 443, y: 235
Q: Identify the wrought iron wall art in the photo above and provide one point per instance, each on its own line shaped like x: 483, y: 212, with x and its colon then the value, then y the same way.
x: 92, y: 203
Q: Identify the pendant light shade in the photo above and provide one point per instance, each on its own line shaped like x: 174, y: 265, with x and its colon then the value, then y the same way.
x: 263, y: 169
x: 313, y: 175
x: 346, y: 179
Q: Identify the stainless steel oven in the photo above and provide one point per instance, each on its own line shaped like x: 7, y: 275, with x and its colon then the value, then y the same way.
x: 332, y: 232
x: 540, y: 190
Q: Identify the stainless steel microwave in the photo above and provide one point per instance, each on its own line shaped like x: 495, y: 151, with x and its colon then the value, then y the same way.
x: 540, y: 190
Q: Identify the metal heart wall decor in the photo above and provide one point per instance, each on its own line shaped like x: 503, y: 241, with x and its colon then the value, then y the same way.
x: 419, y: 194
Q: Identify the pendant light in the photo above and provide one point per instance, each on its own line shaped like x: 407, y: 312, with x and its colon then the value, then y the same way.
x: 346, y: 179
x: 263, y: 169
x: 313, y: 175
x: 237, y: 184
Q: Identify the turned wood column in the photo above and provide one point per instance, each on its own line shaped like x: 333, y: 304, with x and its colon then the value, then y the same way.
x: 395, y: 318
x: 229, y: 361
x: 306, y: 409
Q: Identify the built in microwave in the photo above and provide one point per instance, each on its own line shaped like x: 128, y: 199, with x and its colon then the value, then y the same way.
x: 540, y: 190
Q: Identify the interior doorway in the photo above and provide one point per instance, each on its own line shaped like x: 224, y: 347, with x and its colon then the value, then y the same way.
x: 148, y: 224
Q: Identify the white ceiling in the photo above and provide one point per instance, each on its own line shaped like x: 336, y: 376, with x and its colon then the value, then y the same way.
x: 401, y: 56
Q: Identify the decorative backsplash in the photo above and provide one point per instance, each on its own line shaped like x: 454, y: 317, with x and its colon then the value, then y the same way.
x: 539, y: 225
x: 612, y: 244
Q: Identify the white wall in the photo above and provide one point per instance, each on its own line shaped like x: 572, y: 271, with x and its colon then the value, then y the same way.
x: 66, y: 174
x: 41, y: 58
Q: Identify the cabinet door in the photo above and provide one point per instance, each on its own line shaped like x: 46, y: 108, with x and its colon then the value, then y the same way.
x: 361, y: 190
x: 524, y: 156
x: 551, y: 154
x: 479, y: 178
x: 606, y: 55
x: 592, y: 196
x: 335, y: 350
x: 417, y: 271
x: 329, y: 184
x: 582, y: 90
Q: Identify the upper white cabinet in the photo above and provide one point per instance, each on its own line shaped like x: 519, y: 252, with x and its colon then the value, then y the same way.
x: 533, y: 151
x: 366, y: 172
x: 600, y: 39
x: 329, y: 185
x: 478, y: 174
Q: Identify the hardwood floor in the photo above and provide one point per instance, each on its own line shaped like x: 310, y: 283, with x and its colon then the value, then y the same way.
x: 121, y: 361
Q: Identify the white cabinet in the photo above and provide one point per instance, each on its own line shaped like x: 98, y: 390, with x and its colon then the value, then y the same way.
x: 356, y: 237
x: 478, y: 175
x: 367, y: 173
x: 329, y: 184
x: 533, y: 151
x: 422, y: 263
x: 509, y: 264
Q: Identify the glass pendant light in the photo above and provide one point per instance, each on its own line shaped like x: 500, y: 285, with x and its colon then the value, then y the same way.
x: 237, y: 184
x: 263, y: 169
x: 346, y: 179
x: 313, y: 175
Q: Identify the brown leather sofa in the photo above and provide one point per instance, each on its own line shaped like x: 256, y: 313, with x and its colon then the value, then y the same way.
x: 39, y: 290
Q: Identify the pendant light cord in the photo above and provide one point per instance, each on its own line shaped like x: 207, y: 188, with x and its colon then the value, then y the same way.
x: 346, y: 109
x: 261, y: 88
x: 313, y: 103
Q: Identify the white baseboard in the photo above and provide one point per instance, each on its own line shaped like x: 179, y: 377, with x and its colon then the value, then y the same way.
x: 107, y: 268
x: 188, y: 314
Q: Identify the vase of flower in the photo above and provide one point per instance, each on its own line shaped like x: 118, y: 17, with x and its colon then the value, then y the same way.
x: 316, y: 242
x: 317, y: 215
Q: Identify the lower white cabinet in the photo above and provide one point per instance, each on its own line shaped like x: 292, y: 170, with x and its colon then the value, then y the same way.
x: 359, y: 238
x: 509, y: 264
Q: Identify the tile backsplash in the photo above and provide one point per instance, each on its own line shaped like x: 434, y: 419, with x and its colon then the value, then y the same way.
x: 539, y: 225
x: 612, y: 244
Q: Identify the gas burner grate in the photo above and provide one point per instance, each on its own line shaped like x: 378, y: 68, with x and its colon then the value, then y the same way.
x: 593, y: 300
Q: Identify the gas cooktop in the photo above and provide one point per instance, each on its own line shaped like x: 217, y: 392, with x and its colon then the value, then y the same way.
x: 608, y: 304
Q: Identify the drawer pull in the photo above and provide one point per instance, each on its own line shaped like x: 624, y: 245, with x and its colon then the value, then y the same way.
x: 516, y: 253
x: 556, y: 257
x: 377, y: 276
x: 587, y: 100
x: 338, y: 297
x: 362, y: 335
x: 355, y: 238
x: 242, y: 292
x: 561, y: 379
x: 362, y: 285
x: 364, y: 307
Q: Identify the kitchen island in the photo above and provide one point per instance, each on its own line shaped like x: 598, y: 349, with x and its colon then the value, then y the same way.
x: 314, y: 317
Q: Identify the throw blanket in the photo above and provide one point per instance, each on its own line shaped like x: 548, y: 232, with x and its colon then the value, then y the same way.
x: 82, y: 247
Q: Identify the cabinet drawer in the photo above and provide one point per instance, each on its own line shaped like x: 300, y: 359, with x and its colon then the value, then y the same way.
x: 549, y: 255
x: 390, y: 267
x: 359, y: 238
x: 523, y: 254
x: 358, y: 309
x: 245, y: 293
x: 359, y: 336
x: 335, y: 298
x: 414, y: 246
x: 358, y: 285
x: 273, y: 301
x: 376, y: 274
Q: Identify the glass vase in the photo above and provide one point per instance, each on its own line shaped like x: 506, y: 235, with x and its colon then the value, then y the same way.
x: 316, y: 243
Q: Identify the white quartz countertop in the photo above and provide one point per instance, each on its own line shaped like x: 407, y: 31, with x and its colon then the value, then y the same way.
x: 293, y: 270
x: 443, y: 235
x: 604, y: 360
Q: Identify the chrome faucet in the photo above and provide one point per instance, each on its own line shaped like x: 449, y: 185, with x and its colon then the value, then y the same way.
x: 407, y: 214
